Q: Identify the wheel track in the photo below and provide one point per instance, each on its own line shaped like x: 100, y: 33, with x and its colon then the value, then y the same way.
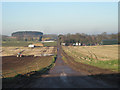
x: 84, y: 67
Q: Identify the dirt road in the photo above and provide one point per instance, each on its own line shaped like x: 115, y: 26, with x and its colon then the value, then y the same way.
x: 62, y: 76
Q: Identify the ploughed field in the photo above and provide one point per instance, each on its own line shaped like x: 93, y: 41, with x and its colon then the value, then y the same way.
x: 31, y: 61
x: 104, y: 56
x: 12, y: 65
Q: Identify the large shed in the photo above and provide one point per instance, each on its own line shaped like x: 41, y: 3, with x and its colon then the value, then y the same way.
x: 109, y: 41
x: 31, y: 46
x: 38, y: 44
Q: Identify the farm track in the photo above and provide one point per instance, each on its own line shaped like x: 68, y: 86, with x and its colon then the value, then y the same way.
x: 67, y: 74
x: 91, y: 53
x: 62, y: 76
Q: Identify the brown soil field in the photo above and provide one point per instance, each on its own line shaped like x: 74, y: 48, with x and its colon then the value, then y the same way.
x: 12, y: 65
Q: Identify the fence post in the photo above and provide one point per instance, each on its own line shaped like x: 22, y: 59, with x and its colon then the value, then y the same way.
x: 2, y: 76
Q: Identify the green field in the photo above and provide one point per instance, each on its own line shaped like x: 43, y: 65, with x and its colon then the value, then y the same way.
x: 25, y: 43
x: 101, y: 56
x: 15, y: 43
x: 49, y: 44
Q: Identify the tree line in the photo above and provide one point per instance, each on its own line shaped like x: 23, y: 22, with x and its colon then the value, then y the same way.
x: 87, y: 39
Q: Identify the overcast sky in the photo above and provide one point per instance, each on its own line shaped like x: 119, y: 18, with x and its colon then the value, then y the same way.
x: 60, y: 17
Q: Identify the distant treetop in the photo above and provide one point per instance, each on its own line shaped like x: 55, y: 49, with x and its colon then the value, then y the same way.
x: 27, y: 33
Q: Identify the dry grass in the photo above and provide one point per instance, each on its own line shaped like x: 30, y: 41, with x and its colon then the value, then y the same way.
x: 104, y: 56
x: 8, y: 51
x: 105, y: 52
x: 11, y: 65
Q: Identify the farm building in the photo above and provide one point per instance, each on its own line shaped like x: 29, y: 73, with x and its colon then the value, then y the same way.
x: 45, y: 39
x: 63, y: 44
x: 48, y: 41
x: 31, y: 46
x: 76, y: 44
x: 38, y: 44
x: 109, y: 41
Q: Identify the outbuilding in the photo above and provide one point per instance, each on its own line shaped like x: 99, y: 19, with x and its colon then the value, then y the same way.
x: 63, y: 44
x: 38, y: 45
x: 76, y: 44
x: 31, y: 46
x: 109, y: 41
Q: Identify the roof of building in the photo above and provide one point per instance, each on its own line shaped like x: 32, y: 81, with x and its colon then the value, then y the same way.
x: 110, y: 40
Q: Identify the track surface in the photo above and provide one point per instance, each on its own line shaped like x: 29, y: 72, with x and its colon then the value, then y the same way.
x: 62, y: 76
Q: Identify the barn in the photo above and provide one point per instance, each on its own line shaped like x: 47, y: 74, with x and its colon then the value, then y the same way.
x: 38, y: 44
x: 31, y: 46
